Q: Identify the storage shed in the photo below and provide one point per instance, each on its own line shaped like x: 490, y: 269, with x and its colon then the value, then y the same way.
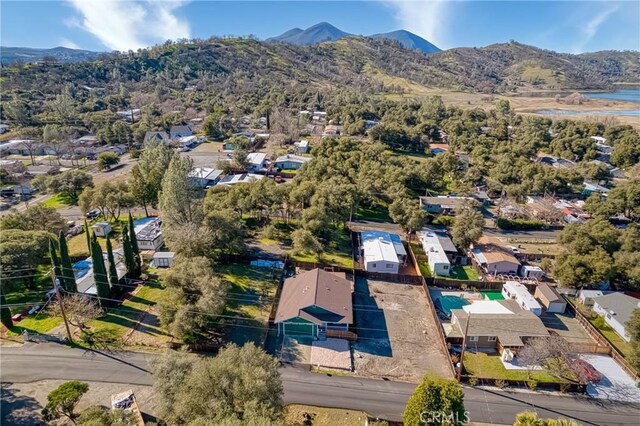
x: 163, y: 259
x: 550, y: 299
x: 101, y: 229
x: 518, y: 292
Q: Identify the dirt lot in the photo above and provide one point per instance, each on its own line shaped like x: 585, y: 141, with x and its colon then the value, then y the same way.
x: 206, y: 154
x: 23, y: 402
x: 396, y: 336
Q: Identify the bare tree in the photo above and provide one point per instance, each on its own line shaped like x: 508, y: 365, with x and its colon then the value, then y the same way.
x: 553, y: 353
x: 78, y: 308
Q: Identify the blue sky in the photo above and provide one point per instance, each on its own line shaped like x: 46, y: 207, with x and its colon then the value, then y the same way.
x: 566, y: 26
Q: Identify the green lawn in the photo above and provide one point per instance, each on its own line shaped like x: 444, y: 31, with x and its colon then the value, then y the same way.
x: 609, y: 333
x: 250, y: 293
x: 464, y: 273
x: 378, y: 212
x: 58, y: 200
x: 337, y: 251
x: 78, y: 244
x: 39, y: 323
x: 487, y: 366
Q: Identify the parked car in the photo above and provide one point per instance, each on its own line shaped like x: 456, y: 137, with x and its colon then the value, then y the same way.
x: 583, y: 369
x: 93, y: 214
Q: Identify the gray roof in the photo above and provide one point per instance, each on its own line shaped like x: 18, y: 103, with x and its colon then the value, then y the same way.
x: 508, y: 328
x: 620, y: 304
x: 443, y: 237
x: 180, y: 129
x: 445, y: 201
x: 550, y: 293
x: 330, y: 291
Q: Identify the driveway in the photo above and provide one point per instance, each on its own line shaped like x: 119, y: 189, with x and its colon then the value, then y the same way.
x: 615, y: 384
x: 396, y: 335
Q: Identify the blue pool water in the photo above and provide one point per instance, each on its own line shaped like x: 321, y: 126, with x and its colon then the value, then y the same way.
x: 447, y: 303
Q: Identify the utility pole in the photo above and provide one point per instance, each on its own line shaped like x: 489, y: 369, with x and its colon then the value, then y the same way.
x: 56, y: 286
x: 464, y: 345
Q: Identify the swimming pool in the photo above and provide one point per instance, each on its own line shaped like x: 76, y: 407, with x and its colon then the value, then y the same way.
x: 447, y: 303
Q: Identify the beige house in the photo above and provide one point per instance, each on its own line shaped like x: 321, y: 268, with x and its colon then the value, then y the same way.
x: 494, y: 258
x: 550, y: 299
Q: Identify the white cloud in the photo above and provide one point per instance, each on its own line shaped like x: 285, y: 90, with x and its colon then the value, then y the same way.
x: 124, y: 25
x: 65, y: 42
x: 590, y: 29
x: 427, y: 18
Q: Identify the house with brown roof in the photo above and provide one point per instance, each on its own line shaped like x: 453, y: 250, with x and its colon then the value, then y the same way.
x: 494, y: 325
x: 550, y: 298
x: 494, y: 258
x: 314, y: 302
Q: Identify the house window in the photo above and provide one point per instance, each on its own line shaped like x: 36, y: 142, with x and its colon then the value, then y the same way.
x: 373, y: 266
x: 492, y: 338
x: 473, y: 338
x: 389, y: 266
x: 608, y: 316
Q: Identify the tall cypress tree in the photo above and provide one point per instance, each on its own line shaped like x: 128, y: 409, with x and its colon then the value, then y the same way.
x: 55, y: 262
x: 68, y: 279
x: 113, y: 272
x: 5, y: 312
x: 134, y: 247
x: 129, y: 258
x: 100, y: 273
x: 86, y: 233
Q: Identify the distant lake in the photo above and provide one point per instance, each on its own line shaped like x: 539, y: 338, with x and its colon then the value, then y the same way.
x: 629, y: 113
x: 627, y: 95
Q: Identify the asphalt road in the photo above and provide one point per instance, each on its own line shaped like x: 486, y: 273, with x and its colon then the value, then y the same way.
x: 533, y: 234
x: 385, y: 399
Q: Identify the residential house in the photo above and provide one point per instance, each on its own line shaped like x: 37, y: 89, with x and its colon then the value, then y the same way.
x: 177, y: 132
x: 187, y: 142
x: 531, y: 272
x: 314, y: 303
x: 12, y: 166
x: 439, y: 249
x: 148, y: 233
x: 319, y: 116
x: 302, y: 146
x: 163, y: 259
x: 157, y: 137
x: 332, y: 130
x: 290, y: 162
x: 587, y: 297
x: 444, y: 204
x: 92, y: 152
x: 598, y: 139
x: 4, y: 128
x: 204, y: 177
x: 591, y: 188
x: 572, y: 211
x: 518, y: 292
x: 494, y: 258
x: 438, y: 148
x: 382, y: 252
x: 83, y: 271
x: 86, y: 140
x: 101, y: 229
x: 550, y: 299
x: 256, y: 161
x: 494, y: 325
x: 129, y: 115
x: 231, y: 180
x: 617, y: 309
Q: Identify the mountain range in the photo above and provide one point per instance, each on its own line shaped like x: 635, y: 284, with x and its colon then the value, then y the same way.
x: 326, y: 32
x: 60, y: 54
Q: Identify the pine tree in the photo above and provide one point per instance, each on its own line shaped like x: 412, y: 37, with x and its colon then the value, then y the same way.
x: 134, y: 247
x: 86, y: 232
x: 5, y: 312
x: 55, y: 262
x: 100, y: 273
x: 68, y: 279
x: 113, y: 272
x: 129, y: 259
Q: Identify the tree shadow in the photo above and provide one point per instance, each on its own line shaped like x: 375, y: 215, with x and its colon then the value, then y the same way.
x: 371, y: 325
x: 18, y: 410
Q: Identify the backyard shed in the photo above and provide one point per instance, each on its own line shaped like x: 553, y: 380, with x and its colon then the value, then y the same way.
x: 550, y: 299
x: 163, y: 259
x: 531, y: 272
x: 101, y: 229
x: 518, y: 292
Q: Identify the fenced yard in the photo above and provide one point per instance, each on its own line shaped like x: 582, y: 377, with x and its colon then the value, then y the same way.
x: 489, y: 366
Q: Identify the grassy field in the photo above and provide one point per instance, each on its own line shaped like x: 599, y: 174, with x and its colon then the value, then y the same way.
x: 250, y: 294
x: 487, y: 366
x: 58, y: 200
x: 307, y: 415
x: 78, y: 244
x: 337, y: 251
x: 378, y: 213
x: 609, y: 333
x: 464, y: 273
x: 41, y: 323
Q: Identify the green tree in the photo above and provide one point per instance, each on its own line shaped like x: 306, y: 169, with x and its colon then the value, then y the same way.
x: 98, y: 416
x: 134, y: 245
x: 107, y: 159
x: 68, y: 279
x: 147, y: 174
x: 113, y: 271
x: 129, y: 257
x: 100, y: 274
x: 88, y: 235
x: 21, y: 250
x: 528, y: 418
x: 240, y: 383
x: 36, y: 218
x: 436, y: 401
x: 633, y: 329
x: 55, y: 262
x: 68, y: 184
x: 407, y: 213
x: 178, y: 200
x: 5, y: 312
x: 467, y: 226
x: 62, y: 401
x: 305, y: 242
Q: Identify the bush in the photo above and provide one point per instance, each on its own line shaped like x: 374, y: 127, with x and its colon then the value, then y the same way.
x: 435, y: 394
x: 532, y: 384
x: 473, y: 381
x: 444, y: 220
x: 500, y: 383
x: 503, y: 223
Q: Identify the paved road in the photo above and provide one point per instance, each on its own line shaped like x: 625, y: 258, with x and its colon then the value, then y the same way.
x: 533, y: 234
x: 34, y: 362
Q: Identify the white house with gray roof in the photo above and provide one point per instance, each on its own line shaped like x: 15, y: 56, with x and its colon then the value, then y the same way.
x: 616, y: 308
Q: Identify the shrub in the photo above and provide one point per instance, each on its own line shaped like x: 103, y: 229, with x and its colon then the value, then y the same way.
x: 503, y: 223
x: 473, y: 381
x: 435, y: 394
x: 532, y: 384
x: 444, y: 221
x: 500, y: 383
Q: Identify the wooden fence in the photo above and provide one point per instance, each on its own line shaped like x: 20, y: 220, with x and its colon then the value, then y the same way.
x: 555, y: 386
x: 480, y: 285
x: 601, y: 340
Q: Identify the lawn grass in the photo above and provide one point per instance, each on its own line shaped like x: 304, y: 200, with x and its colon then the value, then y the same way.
x: 78, y: 243
x: 250, y: 293
x: 378, y: 212
x: 302, y: 415
x: 58, y: 200
x: 488, y: 366
x: 464, y: 273
x: 609, y: 333
x: 41, y: 323
x: 337, y: 251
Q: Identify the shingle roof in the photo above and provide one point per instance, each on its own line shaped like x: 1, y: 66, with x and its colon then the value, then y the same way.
x: 620, y: 304
x: 508, y: 328
x: 327, y: 290
x: 492, y: 252
x: 549, y: 293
